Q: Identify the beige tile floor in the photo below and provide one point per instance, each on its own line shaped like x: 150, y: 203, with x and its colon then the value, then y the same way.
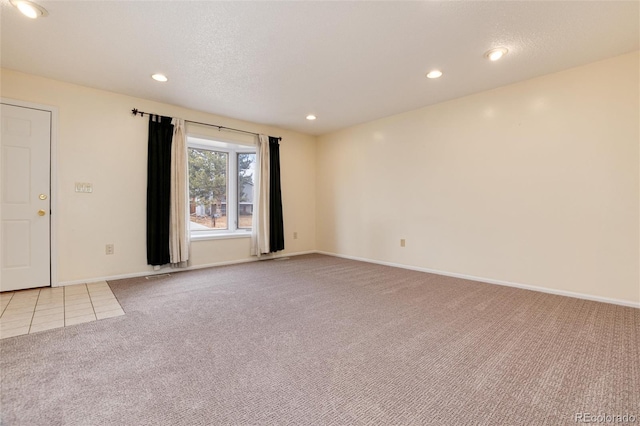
x: 39, y: 309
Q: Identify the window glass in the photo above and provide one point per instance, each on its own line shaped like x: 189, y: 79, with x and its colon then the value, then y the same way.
x: 221, y: 182
x: 208, y: 189
x: 246, y: 171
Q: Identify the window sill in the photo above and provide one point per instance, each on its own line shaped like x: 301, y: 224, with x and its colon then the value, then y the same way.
x: 219, y: 236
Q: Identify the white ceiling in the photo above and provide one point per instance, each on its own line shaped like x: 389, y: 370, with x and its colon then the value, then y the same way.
x: 276, y: 62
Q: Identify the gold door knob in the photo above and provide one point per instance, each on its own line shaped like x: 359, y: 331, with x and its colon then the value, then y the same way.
x: 41, y: 212
x: 42, y: 197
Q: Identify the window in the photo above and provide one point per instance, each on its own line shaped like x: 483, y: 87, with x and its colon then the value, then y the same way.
x: 220, y: 187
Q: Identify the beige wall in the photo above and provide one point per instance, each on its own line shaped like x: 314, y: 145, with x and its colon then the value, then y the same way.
x: 100, y: 142
x: 534, y: 183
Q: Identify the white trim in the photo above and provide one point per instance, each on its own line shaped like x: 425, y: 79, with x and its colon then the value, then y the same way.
x: 169, y: 270
x: 492, y: 281
x: 212, y: 235
x: 53, y: 177
x: 379, y: 262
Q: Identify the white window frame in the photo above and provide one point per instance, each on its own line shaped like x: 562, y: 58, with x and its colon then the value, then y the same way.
x: 232, y: 149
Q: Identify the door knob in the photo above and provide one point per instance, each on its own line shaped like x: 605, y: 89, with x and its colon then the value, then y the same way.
x: 42, y: 197
x: 41, y: 212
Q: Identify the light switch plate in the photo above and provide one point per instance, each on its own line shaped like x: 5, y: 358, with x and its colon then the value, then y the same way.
x: 84, y: 187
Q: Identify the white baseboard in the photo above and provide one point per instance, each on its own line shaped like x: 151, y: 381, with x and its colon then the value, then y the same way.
x: 170, y: 270
x: 167, y: 270
x: 492, y: 281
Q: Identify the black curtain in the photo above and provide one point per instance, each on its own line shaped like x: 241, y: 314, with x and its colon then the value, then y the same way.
x: 276, y: 226
x: 158, y: 189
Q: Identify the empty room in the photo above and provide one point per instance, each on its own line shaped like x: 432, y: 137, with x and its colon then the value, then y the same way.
x: 319, y: 213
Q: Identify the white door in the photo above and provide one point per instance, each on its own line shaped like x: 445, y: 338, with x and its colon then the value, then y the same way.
x: 25, y: 189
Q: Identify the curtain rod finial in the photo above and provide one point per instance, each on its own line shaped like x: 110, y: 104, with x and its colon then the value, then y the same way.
x: 135, y: 112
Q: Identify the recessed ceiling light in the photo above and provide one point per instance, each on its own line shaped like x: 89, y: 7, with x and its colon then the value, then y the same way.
x: 434, y: 74
x: 30, y: 9
x: 311, y: 117
x: 159, y: 77
x: 495, y: 54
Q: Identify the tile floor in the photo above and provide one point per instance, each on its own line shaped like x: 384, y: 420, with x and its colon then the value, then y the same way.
x: 39, y: 309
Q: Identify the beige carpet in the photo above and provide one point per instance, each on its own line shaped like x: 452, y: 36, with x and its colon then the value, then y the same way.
x: 317, y: 340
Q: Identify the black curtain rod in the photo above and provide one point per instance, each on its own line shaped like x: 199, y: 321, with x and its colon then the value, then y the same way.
x: 142, y: 113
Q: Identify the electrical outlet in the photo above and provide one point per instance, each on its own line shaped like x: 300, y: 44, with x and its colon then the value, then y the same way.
x: 402, y: 243
x: 295, y: 235
x: 108, y: 249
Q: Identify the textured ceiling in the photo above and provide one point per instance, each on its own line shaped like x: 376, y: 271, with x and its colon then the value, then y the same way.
x: 276, y: 62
